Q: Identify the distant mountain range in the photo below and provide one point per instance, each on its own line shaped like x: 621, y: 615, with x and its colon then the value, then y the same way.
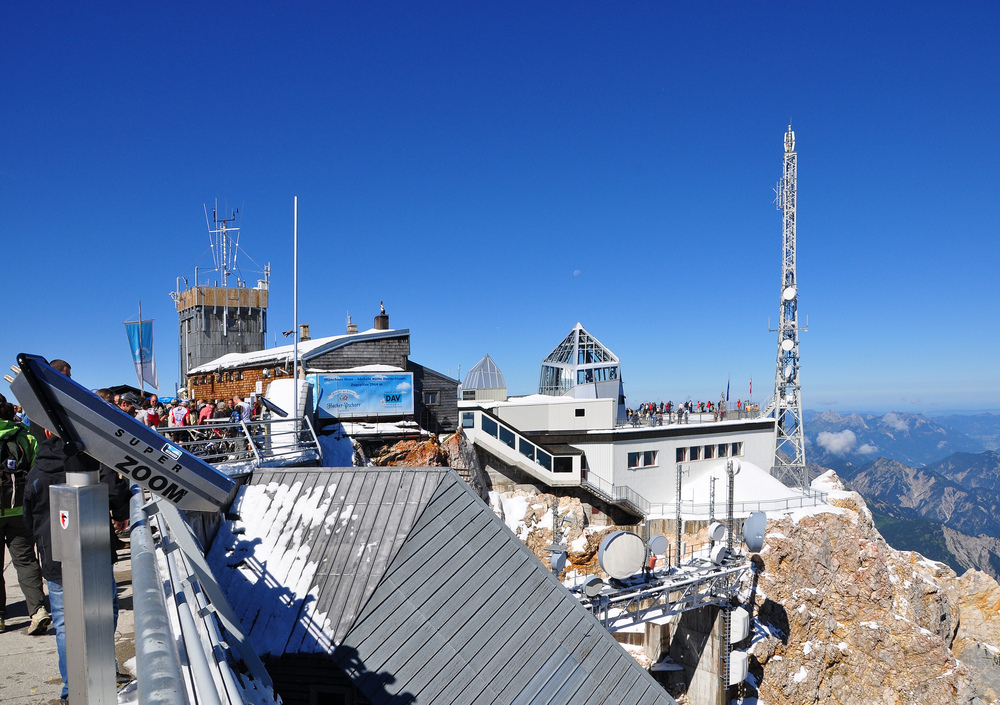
x: 837, y: 441
x: 948, y: 511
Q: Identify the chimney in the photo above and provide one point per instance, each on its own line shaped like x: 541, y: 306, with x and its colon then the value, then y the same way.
x: 351, y: 327
x: 382, y: 320
x: 304, y: 332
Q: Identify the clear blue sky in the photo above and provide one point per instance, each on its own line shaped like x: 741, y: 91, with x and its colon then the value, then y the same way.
x: 496, y: 175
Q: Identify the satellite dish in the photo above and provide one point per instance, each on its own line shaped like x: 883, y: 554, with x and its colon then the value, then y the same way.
x: 788, y: 371
x: 659, y: 545
x: 593, y: 586
x: 789, y: 293
x: 753, y: 531
x: 622, y: 554
x: 787, y: 344
x: 716, y: 531
x: 557, y: 561
x: 272, y: 407
x: 718, y: 554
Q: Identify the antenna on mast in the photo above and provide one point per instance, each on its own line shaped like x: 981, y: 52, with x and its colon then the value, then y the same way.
x: 789, y: 464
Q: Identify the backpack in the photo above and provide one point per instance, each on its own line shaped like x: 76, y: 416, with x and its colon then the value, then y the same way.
x: 14, y: 464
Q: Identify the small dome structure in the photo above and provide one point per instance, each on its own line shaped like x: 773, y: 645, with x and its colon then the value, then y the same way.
x: 484, y: 382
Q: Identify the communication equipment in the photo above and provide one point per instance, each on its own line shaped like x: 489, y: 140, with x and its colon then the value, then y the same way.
x: 787, y: 344
x: 738, y: 667
x: 753, y: 531
x: 789, y: 293
x: 739, y: 625
x: 719, y: 554
x: 659, y: 545
x: 557, y: 561
x: 716, y: 531
x: 593, y: 586
x: 622, y: 554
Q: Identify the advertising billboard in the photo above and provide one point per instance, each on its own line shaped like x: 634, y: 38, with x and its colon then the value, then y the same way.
x: 360, y: 395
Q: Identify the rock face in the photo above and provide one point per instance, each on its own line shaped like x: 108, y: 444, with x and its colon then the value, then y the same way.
x: 424, y: 452
x: 844, y: 618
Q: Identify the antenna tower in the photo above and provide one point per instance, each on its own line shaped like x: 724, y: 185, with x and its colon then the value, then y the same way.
x: 789, y: 440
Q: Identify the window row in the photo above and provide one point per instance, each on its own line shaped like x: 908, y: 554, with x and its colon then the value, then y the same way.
x: 597, y: 374
x: 525, y: 447
x: 642, y: 459
x: 721, y: 450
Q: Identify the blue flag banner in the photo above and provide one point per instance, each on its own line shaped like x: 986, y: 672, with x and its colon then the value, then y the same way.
x: 727, y: 390
x: 140, y: 338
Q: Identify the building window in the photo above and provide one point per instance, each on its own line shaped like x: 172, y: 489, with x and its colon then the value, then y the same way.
x: 488, y: 425
x: 737, y: 449
x: 580, y: 413
x: 544, y: 459
x: 709, y: 452
x: 563, y: 464
x: 507, y: 436
x: 681, y: 455
x: 468, y: 419
x: 642, y: 459
x: 430, y: 398
x: 527, y: 450
x: 468, y: 395
x: 694, y: 452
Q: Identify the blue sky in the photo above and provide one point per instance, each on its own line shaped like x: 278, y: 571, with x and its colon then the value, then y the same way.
x: 496, y: 175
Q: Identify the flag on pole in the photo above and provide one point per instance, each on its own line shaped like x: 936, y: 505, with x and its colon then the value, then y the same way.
x: 751, y: 387
x: 727, y: 388
x: 140, y: 338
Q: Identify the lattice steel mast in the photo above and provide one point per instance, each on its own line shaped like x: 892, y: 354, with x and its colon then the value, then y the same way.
x: 789, y: 441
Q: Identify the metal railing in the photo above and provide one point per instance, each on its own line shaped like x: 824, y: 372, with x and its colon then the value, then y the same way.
x: 623, y: 495
x: 675, y: 417
x: 190, y: 647
x: 261, y: 443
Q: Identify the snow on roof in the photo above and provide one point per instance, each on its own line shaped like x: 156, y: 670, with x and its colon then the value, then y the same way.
x: 362, y: 368
x: 751, y: 484
x: 282, y: 354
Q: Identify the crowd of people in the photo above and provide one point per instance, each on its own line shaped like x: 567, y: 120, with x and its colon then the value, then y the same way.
x: 655, y: 414
x: 182, y: 412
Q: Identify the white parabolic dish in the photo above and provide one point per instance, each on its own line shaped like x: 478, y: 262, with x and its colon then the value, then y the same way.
x: 621, y: 554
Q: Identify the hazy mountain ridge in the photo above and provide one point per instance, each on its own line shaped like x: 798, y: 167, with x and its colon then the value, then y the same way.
x: 838, y: 441
x: 984, y: 427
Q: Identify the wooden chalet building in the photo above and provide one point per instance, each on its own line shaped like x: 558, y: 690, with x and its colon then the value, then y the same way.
x: 435, y: 395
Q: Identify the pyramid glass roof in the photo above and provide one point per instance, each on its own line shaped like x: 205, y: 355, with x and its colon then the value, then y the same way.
x: 485, y: 375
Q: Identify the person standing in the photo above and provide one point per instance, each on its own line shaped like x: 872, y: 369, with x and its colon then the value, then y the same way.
x: 17, y: 454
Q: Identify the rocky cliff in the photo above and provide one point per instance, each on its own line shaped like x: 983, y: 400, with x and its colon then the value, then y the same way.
x: 844, y: 618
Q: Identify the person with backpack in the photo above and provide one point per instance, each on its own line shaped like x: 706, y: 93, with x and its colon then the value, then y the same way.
x: 18, y: 449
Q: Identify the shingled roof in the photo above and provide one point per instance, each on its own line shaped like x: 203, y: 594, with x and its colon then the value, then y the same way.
x: 407, y: 580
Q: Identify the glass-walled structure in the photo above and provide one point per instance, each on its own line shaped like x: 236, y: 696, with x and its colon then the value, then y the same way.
x: 581, y: 367
x: 484, y: 382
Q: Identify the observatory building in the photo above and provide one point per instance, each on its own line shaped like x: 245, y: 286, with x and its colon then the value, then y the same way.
x: 484, y: 381
x: 582, y: 368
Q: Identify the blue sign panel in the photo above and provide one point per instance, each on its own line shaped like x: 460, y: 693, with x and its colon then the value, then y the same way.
x: 342, y: 396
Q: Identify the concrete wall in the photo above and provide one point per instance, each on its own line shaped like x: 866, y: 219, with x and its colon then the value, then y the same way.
x: 559, y: 415
x: 696, y: 644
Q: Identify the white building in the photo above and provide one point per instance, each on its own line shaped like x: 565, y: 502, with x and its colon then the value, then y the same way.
x: 573, y: 434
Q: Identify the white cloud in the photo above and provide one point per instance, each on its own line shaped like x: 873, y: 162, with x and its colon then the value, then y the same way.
x: 837, y: 443
x: 893, y: 421
x: 402, y: 386
x: 868, y: 449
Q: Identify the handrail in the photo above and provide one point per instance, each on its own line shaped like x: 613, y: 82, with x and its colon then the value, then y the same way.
x: 257, y: 442
x: 200, y: 610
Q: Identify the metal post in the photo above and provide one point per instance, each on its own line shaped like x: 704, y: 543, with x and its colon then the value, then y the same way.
x: 295, y: 305
x: 81, y: 540
x: 677, y: 519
